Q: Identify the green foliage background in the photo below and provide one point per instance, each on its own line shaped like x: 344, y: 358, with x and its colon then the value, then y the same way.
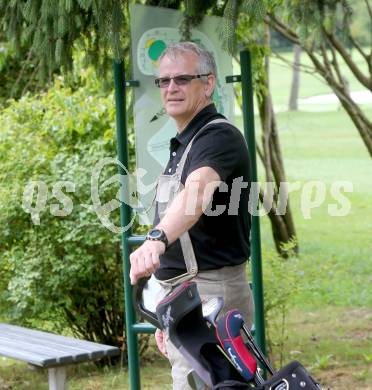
x: 66, y: 271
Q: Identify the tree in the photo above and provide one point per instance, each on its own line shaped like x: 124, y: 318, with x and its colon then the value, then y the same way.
x: 41, y: 37
x: 282, y: 223
x: 323, y: 30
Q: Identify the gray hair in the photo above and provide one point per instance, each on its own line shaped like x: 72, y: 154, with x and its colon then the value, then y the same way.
x: 207, y: 63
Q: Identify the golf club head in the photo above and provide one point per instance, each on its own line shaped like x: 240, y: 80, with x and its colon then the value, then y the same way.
x: 194, y: 381
x: 211, y: 308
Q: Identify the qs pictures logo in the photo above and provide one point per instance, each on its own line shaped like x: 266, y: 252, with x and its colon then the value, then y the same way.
x: 37, y: 193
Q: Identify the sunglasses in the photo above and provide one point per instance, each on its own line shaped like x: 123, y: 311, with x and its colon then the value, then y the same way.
x: 183, y: 79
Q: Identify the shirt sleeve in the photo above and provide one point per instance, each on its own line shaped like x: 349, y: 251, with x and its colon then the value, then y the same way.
x: 217, y: 148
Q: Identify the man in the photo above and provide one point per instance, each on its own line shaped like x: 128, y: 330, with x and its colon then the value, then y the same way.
x: 202, y: 226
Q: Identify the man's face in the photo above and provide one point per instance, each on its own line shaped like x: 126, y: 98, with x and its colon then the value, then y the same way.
x: 183, y: 102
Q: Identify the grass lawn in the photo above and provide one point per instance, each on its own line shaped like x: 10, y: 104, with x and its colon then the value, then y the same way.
x: 329, y: 325
x: 334, y: 343
x: 18, y: 376
x: 326, y: 149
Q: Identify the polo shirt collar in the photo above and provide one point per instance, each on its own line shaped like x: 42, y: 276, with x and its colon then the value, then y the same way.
x: 196, y: 123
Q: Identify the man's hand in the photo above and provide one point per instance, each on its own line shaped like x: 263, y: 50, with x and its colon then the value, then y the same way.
x: 160, y: 341
x: 145, y: 260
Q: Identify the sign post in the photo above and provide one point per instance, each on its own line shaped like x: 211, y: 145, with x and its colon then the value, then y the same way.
x: 256, y: 260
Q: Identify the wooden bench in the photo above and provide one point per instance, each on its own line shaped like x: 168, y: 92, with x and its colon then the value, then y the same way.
x: 47, y: 350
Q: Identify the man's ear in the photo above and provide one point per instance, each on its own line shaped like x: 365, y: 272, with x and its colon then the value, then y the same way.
x: 210, y: 85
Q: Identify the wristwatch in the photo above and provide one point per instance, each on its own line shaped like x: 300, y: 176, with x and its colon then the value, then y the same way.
x: 157, y: 235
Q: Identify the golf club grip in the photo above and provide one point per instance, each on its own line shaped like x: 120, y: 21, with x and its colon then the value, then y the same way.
x: 257, y: 351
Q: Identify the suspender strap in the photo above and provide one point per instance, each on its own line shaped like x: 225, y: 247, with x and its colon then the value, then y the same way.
x: 182, y: 162
x: 185, y: 240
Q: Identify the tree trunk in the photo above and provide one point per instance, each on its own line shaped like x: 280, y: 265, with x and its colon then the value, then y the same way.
x: 295, y: 86
x: 282, y: 224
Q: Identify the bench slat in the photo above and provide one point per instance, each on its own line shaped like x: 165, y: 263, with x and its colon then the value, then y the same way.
x: 28, y: 357
x: 54, y: 345
x: 45, y: 336
x: 47, y: 349
x: 44, y: 356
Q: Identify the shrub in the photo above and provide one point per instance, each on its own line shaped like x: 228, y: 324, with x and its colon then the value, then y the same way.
x: 60, y: 271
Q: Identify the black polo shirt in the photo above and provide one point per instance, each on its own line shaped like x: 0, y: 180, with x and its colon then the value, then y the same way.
x: 220, y: 240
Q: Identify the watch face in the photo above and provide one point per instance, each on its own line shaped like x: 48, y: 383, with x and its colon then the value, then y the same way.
x: 155, y: 233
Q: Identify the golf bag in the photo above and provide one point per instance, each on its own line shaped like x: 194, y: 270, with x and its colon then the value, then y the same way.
x: 292, y: 376
x: 219, y: 355
x: 180, y: 315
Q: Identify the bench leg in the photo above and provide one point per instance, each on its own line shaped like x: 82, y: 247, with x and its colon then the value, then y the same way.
x: 57, y: 378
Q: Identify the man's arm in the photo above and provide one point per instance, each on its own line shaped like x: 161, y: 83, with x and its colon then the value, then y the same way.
x: 183, y: 213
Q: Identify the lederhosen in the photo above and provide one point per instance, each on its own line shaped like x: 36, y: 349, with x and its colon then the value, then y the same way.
x: 169, y: 186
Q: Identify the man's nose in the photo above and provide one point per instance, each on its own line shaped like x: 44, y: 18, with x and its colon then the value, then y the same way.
x: 172, y: 85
